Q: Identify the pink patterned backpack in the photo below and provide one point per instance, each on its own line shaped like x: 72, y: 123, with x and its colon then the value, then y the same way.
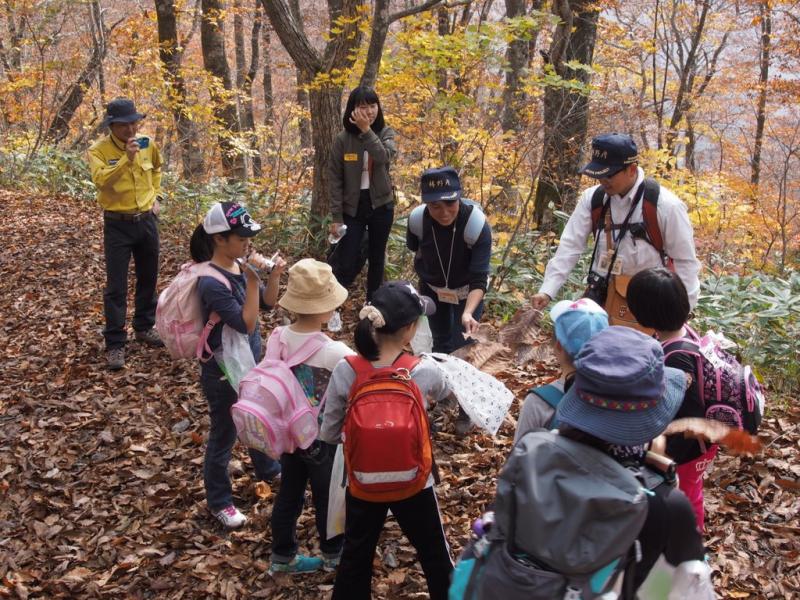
x: 728, y: 390
x: 273, y: 414
x: 179, y: 313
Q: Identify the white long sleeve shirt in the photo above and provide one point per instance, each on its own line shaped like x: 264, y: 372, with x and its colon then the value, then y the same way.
x: 634, y: 254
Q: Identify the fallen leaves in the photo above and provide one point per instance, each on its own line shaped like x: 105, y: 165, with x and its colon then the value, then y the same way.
x: 101, y: 492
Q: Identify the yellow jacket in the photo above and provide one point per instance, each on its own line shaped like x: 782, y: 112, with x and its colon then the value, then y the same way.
x: 123, y: 186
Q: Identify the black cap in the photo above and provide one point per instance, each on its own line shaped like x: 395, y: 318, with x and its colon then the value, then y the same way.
x: 121, y: 110
x: 611, y: 152
x: 440, y: 184
x: 400, y: 304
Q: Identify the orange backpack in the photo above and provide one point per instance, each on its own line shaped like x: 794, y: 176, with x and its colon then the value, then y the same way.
x: 387, y: 443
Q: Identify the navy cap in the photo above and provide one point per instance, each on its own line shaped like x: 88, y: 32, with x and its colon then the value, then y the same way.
x: 611, y: 152
x: 121, y: 110
x: 440, y: 184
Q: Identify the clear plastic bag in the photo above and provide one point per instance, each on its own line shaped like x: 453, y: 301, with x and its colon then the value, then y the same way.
x: 423, y: 338
x: 336, y: 494
x: 234, y: 357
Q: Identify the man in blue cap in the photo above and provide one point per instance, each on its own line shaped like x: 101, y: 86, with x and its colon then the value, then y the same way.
x: 636, y: 223
x: 126, y: 170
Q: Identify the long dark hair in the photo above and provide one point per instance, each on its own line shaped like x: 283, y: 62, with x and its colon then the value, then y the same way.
x: 362, y: 95
x: 201, y: 246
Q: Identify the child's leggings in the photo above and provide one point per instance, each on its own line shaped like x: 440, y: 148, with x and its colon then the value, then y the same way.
x: 690, y: 481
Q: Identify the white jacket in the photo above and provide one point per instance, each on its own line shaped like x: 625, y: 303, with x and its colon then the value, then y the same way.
x: 634, y: 254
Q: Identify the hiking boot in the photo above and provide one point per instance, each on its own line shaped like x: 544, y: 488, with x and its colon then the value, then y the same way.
x: 230, y: 517
x: 150, y: 337
x: 116, y: 358
x: 299, y: 564
x: 331, y: 563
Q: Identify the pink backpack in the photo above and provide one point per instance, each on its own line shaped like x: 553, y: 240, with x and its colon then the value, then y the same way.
x: 179, y: 313
x: 273, y: 414
x: 728, y: 390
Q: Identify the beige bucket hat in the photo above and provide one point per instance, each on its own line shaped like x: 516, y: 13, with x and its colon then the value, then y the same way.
x: 312, y: 289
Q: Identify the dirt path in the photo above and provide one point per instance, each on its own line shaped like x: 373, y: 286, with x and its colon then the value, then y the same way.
x: 100, y: 473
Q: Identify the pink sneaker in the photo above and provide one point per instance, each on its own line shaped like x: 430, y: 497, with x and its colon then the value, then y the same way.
x: 230, y: 517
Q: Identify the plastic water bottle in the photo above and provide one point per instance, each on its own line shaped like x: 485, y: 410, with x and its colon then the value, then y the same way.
x: 335, y: 238
x: 423, y: 338
x: 335, y: 322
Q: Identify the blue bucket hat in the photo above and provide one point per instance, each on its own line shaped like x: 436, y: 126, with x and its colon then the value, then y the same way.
x: 611, y: 152
x: 576, y: 321
x: 440, y: 184
x: 121, y: 110
x: 623, y: 393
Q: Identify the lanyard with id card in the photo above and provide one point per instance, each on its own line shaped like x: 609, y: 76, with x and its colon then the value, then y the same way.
x: 445, y: 294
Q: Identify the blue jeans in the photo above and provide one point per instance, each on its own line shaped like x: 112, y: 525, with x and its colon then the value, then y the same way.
x: 221, y: 438
x: 296, y: 473
x: 378, y: 222
x: 446, y: 323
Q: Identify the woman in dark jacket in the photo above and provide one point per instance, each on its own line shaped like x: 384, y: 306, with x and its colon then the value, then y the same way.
x: 361, y: 189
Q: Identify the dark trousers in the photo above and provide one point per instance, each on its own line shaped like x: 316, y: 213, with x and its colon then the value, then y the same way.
x: 221, y: 438
x: 296, y: 472
x: 419, y: 520
x: 122, y: 240
x: 378, y: 222
x: 448, y: 333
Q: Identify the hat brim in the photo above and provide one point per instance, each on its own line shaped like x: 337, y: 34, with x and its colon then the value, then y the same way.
x: 428, y: 197
x: 126, y: 119
x: 314, y: 306
x: 600, y: 171
x: 625, y: 428
x: 247, y: 232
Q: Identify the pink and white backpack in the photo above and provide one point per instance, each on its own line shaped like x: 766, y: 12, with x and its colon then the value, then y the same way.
x: 729, y: 391
x: 179, y: 313
x: 273, y: 414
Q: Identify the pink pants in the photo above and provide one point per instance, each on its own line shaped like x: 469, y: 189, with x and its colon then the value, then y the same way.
x: 690, y: 482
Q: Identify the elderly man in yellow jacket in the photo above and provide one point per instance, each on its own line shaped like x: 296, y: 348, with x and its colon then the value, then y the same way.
x: 126, y: 169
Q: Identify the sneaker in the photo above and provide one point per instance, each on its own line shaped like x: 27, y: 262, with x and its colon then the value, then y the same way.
x: 116, y: 358
x: 299, y: 564
x: 150, y: 337
x: 230, y: 517
x: 330, y: 564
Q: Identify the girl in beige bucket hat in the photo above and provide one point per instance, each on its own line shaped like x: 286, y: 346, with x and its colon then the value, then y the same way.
x: 313, y: 294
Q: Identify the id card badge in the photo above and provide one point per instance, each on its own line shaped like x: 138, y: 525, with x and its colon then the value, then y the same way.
x: 605, y: 261
x: 447, y: 296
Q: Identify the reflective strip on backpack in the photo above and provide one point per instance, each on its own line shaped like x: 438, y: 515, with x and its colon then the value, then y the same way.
x: 386, y: 476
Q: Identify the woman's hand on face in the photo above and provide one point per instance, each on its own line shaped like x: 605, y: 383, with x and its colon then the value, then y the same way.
x: 360, y: 119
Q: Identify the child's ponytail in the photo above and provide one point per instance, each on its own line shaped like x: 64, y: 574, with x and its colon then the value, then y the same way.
x: 364, y: 338
x: 201, y: 246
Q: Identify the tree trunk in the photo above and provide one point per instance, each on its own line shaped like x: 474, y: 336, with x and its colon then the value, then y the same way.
x: 269, y: 101
x: 303, y: 124
x: 244, y: 79
x: 212, y: 41
x: 191, y: 153
x: 73, y: 97
x: 565, y: 111
x: 765, y: 46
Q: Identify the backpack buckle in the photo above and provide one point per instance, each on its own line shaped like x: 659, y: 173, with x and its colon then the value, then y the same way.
x: 402, y: 374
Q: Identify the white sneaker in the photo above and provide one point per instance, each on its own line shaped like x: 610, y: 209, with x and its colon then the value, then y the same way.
x: 230, y: 517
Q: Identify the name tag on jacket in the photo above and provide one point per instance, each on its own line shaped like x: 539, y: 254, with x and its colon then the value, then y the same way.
x: 351, y: 157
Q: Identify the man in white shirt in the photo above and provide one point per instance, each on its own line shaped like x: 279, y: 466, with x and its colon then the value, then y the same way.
x: 615, y: 165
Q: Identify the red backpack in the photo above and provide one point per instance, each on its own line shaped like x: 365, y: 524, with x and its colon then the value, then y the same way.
x: 387, y: 443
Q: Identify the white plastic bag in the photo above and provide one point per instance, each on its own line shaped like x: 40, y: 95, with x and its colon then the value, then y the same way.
x: 234, y: 357
x: 336, y: 492
x: 485, y: 399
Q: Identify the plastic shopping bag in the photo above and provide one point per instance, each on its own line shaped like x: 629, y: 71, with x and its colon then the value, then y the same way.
x: 336, y: 491
x: 485, y: 399
x: 235, y: 357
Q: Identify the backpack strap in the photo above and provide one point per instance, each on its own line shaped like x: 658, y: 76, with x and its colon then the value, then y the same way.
x: 475, y: 223
x: 689, y: 345
x: 415, y: 221
x: 598, y: 201
x: 652, y: 190
x: 549, y: 393
x: 277, y: 348
x: 203, y: 350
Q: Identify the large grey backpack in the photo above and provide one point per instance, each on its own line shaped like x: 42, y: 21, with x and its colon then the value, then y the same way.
x: 566, y: 521
x: 472, y: 230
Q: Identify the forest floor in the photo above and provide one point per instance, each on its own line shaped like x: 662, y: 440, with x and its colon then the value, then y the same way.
x: 101, y: 489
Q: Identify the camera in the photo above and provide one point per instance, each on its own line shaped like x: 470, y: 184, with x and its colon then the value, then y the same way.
x: 143, y: 142
x: 596, y: 288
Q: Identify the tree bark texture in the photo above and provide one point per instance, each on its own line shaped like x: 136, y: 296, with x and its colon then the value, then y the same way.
x: 765, y: 46
x: 269, y: 99
x: 212, y: 40
x: 192, y: 162
x: 565, y: 111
